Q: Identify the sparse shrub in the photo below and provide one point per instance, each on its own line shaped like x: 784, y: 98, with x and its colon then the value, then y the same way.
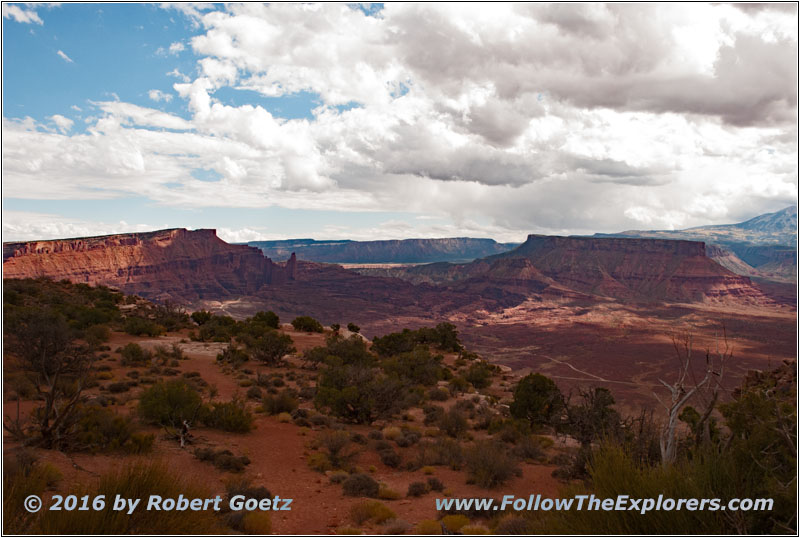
x: 433, y: 414
x: 358, y: 438
x: 337, y: 477
x: 392, y: 432
x: 455, y: 522
x: 388, y: 494
x: 375, y: 434
x: 348, y: 531
x: 529, y: 447
x: 438, y: 395
x: 390, y: 458
x: 453, y: 422
x: 233, y: 355
x: 141, y: 326
x: 254, y: 393
x: 319, y: 462
x: 222, y: 459
x: 284, y: 402
x: 442, y: 451
x: 257, y: 522
x: 479, y: 374
x: 102, y: 430
x: 435, y: 484
x: 396, y: 527
x: 134, y: 355
x: 489, y: 464
x: 512, y: 525
x: 417, y: 489
x: 268, y: 318
x: 372, y: 511
x: 353, y: 328
x: 360, y: 485
x: 96, y: 335
x: 285, y: 418
x: 474, y: 529
x: 429, y: 527
x: 337, y: 446
x: 202, y: 316
x: 116, y: 388
x: 135, y: 482
x: 307, y: 324
x: 230, y: 416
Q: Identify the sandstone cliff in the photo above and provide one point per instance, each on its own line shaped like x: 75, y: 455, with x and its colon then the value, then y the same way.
x: 166, y: 264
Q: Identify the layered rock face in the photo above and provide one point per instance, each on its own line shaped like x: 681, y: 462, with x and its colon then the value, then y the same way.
x: 640, y: 270
x: 167, y: 264
x: 636, y: 269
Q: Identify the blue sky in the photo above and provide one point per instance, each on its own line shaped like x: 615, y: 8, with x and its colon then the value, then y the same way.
x: 371, y: 121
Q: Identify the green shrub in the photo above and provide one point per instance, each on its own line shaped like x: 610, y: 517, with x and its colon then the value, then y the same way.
x: 360, y: 485
x: 284, y: 402
x: 479, y: 374
x: 99, y: 429
x: 134, y: 355
x: 353, y: 328
x: 232, y: 416
x: 537, y: 400
x: 270, y: 347
x: 435, y: 484
x: 489, y: 464
x: 142, y: 327
x: 337, y: 445
x: 308, y: 324
x: 438, y: 395
x: 170, y: 403
x: 202, y: 317
x: 442, y: 451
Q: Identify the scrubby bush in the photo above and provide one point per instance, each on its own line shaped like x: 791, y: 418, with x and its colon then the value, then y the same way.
x: 97, y: 334
x: 283, y: 402
x: 438, y: 395
x: 134, y: 355
x: 268, y: 318
x: 513, y: 525
x: 202, y: 317
x: 232, y: 416
x: 489, y: 464
x: 257, y: 522
x: 429, y: 527
x: 271, y: 347
x: 388, y: 494
x: 118, y: 387
x: 455, y: 522
x: 307, y: 324
x: 254, y: 393
x: 453, y: 422
x: 396, y: 527
x: 353, y: 328
x: 223, y: 459
x: 417, y: 489
x: 360, y: 485
x: 170, y: 403
x: 390, y: 458
x: 142, y: 327
x: 435, y: 484
x: 337, y: 446
x: 479, y: 374
x: 134, y: 482
x: 442, y: 451
x: 370, y: 511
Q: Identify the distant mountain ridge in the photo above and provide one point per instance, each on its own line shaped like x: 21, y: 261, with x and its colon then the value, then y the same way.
x: 762, y: 247
x: 629, y: 269
x: 453, y: 249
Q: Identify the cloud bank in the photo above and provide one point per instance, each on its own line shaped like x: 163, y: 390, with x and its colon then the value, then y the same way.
x: 547, y: 118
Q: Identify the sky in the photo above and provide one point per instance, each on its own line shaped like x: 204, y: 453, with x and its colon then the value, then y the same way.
x: 371, y: 121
